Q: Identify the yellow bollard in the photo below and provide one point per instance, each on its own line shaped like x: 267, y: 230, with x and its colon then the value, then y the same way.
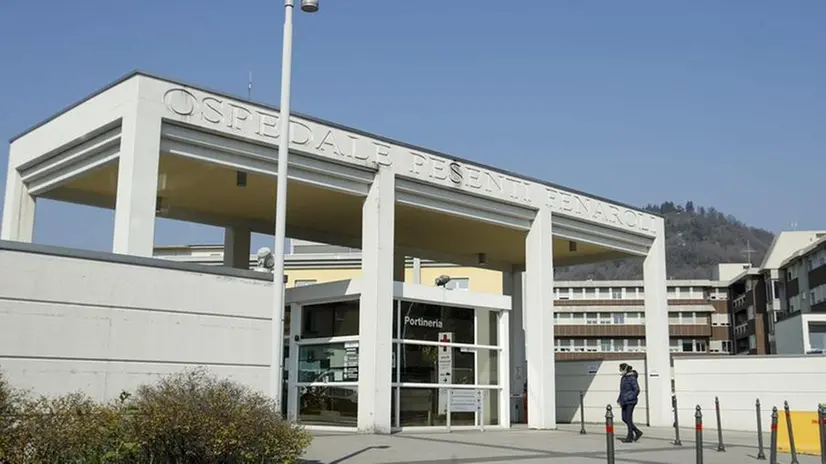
x: 806, y: 433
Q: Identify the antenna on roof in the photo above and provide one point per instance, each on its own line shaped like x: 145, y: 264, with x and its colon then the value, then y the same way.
x: 748, y: 251
x: 794, y: 225
x: 249, y: 87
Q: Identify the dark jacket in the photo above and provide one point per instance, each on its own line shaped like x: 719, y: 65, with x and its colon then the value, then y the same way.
x: 629, y: 389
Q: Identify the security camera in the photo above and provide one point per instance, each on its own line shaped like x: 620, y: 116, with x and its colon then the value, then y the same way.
x: 265, y: 259
x: 309, y: 6
x: 442, y: 280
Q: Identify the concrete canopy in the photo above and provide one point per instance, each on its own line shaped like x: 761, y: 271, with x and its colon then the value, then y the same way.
x: 207, y: 137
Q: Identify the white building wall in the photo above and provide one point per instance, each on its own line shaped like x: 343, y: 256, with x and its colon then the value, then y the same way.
x: 69, y: 324
x: 599, y: 380
x: 740, y: 380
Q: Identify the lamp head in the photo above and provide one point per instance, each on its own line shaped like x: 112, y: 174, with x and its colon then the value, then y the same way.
x: 309, y: 6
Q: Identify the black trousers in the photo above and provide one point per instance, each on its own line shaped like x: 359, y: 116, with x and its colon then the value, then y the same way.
x: 628, y: 418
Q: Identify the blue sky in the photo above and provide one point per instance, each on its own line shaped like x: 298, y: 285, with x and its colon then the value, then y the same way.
x: 719, y: 102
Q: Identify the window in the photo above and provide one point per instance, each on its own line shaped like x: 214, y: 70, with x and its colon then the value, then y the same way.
x: 726, y: 346
x: 674, y: 345
x: 331, y: 320
x: 605, y: 318
x: 619, y: 318
x: 688, y: 345
x: 591, y: 318
x: 458, y: 283
x: 591, y: 344
x: 752, y: 342
x: 303, y: 282
x: 616, y: 293
x: 605, y: 345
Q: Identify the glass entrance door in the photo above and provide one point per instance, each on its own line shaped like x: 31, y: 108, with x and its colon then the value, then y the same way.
x: 325, y: 386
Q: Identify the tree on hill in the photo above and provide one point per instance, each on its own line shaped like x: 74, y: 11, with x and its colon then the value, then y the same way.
x: 697, y: 238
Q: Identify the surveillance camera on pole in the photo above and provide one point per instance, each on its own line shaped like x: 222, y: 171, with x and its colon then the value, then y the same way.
x: 442, y: 280
x: 266, y: 261
x: 309, y: 6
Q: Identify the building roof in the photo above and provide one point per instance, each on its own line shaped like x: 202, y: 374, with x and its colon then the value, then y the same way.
x: 801, y: 253
x: 787, y: 243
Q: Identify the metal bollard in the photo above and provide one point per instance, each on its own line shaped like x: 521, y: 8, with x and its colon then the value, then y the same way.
x: 773, y: 443
x: 582, y: 413
x: 698, y: 430
x: 720, y: 446
x: 760, y: 454
x: 791, y: 432
x: 821, y: 428
x: 609, y: 434
x: 677, y: 441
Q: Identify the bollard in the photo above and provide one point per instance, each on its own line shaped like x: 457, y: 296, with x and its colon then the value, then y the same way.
x: 677, y: 441
x: 791, y: 432
x: 609, y: 434
x: 773, y: 442
x: 698, y: 430
x: 720, y: 446
x: 582, y: 413
x: 821, y: 428
x: 760, y: 454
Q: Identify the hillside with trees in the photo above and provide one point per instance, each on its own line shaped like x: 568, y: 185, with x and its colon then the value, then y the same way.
x: 697, y: 239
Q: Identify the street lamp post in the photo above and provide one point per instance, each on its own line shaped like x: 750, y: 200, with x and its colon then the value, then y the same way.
x: 309, y: 6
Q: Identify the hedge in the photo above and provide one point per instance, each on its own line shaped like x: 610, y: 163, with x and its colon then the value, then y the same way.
x: 189, y: 417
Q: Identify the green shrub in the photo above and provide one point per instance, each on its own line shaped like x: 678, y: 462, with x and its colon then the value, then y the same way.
x: 10, y: 402
x: 190, y: 417
x: 194, y: 417
x: 67, y: 429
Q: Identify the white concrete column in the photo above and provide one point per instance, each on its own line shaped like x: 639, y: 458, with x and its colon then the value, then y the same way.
x: 296, y: 316
x: 237, y: 247
x: 399, y: 266
x: 417, y: 270
x: 137, y: 182
x: 657, y: 354
x: 18, y: 207
x: 512, y: 286
x: 539, y: 318
x: 504, y: 370
x: 376, y: 305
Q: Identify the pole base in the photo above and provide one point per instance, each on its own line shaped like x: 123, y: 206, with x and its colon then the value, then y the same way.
x: 677, y: 443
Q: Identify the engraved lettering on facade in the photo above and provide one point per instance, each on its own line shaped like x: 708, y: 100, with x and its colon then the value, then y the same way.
x: 180, y: 102
x: 383, y: 153
x: 455, y: 173
x: 238, y: 115
x: 212, y: 110
x: 227, y: 115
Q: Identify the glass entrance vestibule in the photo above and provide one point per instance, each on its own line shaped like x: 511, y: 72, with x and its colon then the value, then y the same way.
x: 449, y: 357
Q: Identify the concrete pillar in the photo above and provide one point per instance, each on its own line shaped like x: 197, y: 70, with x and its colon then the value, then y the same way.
x: 237, y: 247
x: 296, y: 317
x: 504, y: 370
x: 417, y: 270
x: 18, y: 207
x: 539, y: 322
x: 376, y: 303
x: 512, y: 286
x: 657, y: 354
x: 399, y: 266
x: 137, y: 182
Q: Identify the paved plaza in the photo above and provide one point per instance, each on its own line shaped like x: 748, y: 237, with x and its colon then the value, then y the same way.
x: 565, y: 445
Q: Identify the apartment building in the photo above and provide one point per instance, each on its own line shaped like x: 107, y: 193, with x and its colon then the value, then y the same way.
x: 595, y: 319
x: 801, y: 324
x: 606, y: 319
x: 750, y: 314
x: 756, y: 294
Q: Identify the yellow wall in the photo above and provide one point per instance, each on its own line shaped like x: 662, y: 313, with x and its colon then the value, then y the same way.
x: 480, y: 280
